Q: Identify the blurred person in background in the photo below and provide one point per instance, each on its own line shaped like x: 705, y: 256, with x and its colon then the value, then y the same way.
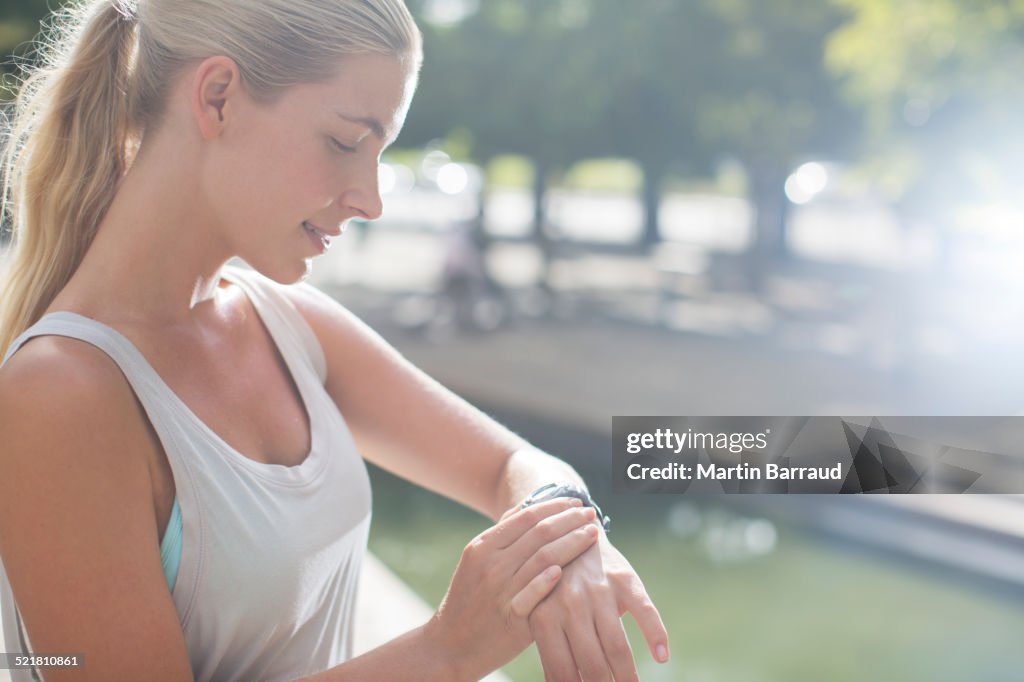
x: 467, y: 286
x: 158, y: 140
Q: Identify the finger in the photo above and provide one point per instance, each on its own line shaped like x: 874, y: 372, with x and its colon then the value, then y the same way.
x: 555, y: 654
x: 526, y: 600
x: 560, y: 552
x: 505, y: 532
x: 586, y: 649
x: 548, y: 530
x: 646, y: 615
x: 509, y: 512
x: 615, y: 645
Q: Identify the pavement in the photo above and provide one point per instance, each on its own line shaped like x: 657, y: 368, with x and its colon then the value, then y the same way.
x: 610, y: 341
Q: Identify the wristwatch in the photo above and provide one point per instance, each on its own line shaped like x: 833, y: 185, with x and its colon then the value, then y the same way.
x: 554, y: 490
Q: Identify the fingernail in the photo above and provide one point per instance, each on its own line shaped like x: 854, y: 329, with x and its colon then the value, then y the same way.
x: 591, y: 514
x: 662, y: 653
x: 552, y: 572
x: 592, y: 531
x: 576, y: 502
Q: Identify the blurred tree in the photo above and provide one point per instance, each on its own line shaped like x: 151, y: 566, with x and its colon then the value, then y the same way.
x: 441, y: 92
x: 653, y: 66
x: 19, y: 23
x: 771, y: 103
x: 519, y: 74
x: 940, y: 82
x: 560, y: 81
x: 512, y: 76
x: 669, y: 84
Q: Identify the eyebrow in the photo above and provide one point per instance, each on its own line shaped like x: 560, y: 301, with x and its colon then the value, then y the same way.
x: 371, y: 123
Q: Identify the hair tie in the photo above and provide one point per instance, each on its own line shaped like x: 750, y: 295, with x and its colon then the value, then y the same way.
x: 128, y: 9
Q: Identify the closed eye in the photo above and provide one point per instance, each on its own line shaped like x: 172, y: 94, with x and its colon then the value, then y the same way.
x: 342, y: 147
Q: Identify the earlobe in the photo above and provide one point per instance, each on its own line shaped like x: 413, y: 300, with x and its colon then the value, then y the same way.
x: 214, y: 85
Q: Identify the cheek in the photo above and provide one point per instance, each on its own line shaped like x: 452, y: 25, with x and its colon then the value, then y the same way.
x: 303, y: 173
x: 270, y: 179
x: 283, y: 183
x: 316, y: 178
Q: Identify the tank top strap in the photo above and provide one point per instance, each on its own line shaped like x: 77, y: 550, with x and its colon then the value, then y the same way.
x: 155, y: 396
x: 283, y: 319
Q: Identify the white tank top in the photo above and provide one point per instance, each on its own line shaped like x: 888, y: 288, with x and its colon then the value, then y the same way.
x: 270, y: 554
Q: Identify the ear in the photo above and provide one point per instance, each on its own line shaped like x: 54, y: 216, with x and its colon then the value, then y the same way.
x: 216, y: 85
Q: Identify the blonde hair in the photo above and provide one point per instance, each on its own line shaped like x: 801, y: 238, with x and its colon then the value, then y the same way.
x: 103, y: 76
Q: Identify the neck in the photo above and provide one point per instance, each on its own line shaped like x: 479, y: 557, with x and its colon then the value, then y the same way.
x: 157, y: 254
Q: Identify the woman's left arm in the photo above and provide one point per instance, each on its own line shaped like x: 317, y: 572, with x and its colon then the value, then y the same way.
x: 409, y: 424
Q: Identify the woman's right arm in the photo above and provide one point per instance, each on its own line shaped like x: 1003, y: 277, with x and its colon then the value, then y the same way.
x: 78, y: 531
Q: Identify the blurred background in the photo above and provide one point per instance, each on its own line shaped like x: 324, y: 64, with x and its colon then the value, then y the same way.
x: 717, y: 207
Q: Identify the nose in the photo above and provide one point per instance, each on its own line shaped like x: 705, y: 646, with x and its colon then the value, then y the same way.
x: 364, y: 194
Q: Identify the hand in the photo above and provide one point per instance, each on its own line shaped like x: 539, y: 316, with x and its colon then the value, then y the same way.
x: 578, y: 628
x: 503, y: 574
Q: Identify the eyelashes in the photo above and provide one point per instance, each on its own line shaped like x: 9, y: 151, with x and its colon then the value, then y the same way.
x: 344, y: 148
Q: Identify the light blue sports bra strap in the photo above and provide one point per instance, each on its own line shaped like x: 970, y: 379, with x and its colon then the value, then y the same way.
x: 170, y: 546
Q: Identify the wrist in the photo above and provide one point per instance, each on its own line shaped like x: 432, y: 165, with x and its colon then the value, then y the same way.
x: 441, y: 653
x: 580, y: 492
x: 451, y: 661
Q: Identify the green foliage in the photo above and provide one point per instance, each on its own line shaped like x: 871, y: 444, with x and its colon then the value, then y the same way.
x: 939, y: 79
x: 19, y: 24
x: 605, y: 175
x: 510, y: 170
x: 775, y: 102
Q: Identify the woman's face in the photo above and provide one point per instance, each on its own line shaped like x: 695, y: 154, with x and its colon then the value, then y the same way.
x: 309, y: 159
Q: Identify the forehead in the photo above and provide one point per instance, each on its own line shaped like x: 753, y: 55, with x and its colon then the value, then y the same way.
x: 371, y: 90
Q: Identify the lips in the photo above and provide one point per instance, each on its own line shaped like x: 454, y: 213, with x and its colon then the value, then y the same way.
x: 317, y: 237
x: 320, y: 233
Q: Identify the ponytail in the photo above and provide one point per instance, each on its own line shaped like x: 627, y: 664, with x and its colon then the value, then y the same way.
x: 66, y: 151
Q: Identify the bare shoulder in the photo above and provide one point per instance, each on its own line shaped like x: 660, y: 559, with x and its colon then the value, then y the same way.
x: 341, y: 333
x: 44, y: 359
x: 356, y: 354
x: 78, y: 534
x: 54, y: 384
x: 324, y: 313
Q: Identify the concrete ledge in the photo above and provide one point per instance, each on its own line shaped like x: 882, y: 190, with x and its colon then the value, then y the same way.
x: 386, y: 608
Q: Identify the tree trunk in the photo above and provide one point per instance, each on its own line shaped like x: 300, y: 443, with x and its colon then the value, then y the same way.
x: 539, y: 233
x: 540, y: 188
x: 770, y: 221
x: 654, y: 176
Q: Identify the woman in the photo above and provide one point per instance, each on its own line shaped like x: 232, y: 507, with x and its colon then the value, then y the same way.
x: 180, y: 496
